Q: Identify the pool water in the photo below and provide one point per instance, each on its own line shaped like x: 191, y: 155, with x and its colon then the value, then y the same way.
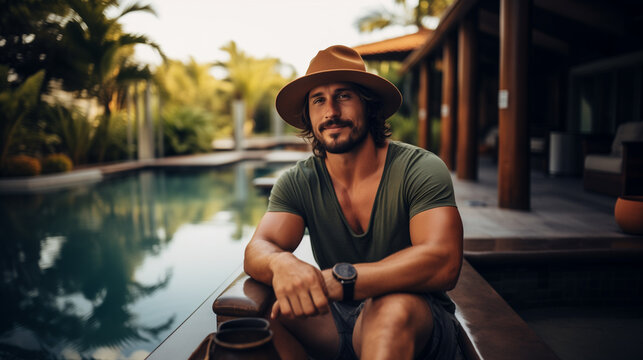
x: 109, y: 270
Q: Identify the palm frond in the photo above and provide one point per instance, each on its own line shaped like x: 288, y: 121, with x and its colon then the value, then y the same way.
x: 130, y: 73
x: 376, y: 20
x: 135, y: 7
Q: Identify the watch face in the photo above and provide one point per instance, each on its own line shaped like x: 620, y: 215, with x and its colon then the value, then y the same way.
x: 345, y: 271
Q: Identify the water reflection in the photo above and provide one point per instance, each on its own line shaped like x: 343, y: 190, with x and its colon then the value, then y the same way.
x: 87, y: 269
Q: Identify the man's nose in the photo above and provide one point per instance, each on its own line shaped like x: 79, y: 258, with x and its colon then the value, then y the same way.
x: 332, y: 109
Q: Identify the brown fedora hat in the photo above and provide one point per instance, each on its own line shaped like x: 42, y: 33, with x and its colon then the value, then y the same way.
x: 336, y: 64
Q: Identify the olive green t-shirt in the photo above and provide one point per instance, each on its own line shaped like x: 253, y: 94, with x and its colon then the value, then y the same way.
x: 413, y: 180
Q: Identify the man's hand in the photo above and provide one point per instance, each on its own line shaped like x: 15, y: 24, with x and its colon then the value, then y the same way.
x: 300, y: 288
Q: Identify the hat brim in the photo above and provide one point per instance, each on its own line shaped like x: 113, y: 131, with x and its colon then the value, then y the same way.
x: 291, y: 98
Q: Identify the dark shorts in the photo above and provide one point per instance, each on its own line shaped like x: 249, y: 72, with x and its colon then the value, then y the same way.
x: 443, y: 344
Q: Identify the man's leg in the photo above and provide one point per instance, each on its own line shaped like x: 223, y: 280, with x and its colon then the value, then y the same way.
x: 316, y: 335
x: 394, y: 326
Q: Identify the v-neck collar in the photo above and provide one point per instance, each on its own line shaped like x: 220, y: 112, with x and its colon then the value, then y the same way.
x: 335, y: 200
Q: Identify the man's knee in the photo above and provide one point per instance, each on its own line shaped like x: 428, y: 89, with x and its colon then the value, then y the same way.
x: 396, y: 317
x: 399, y: 310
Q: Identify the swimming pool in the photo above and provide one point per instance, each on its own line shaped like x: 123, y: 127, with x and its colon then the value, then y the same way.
x: 109, y: 270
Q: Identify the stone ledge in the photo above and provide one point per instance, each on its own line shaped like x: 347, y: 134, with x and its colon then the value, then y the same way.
x: 44, y: 183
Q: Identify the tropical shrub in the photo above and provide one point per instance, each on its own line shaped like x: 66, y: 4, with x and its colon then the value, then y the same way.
x: 187, y: 130
x: 115, y: 139
x: 21, y: 165
x: 56, y: 163
x: 14, y: 106
x: 191, y: 84
x: 75, y: 131
x: 404, y: 128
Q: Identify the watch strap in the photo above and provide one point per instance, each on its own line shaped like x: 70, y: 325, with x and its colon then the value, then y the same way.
x: 348, y: 290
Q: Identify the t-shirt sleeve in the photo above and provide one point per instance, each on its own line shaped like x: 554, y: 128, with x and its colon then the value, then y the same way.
x: 428, y: 185
x: 282, y: 197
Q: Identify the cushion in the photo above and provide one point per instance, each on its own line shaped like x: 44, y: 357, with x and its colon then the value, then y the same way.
x: 605, y: 163
x: 630, y: 131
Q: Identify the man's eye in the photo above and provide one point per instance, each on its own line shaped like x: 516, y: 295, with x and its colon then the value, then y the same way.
x: 344, y: 96
x: 317, y: 100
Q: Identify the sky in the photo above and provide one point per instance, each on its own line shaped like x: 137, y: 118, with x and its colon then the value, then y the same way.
x: 291, y: 30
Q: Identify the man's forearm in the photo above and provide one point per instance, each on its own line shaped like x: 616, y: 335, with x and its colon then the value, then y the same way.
x: 414, y: 269
x: 258, y: 256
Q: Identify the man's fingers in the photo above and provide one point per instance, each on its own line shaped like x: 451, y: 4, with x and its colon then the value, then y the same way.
x: 319, y: 299
x: 308, y: 305
x: 296, y: 306
x: 300, y: 295
x: 274, y: 313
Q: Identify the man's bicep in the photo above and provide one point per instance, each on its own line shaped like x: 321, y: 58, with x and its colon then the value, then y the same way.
x: 283, y: 229
x: 440, y: 226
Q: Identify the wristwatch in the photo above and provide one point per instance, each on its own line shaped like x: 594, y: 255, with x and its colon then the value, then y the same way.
x: 346, y: 274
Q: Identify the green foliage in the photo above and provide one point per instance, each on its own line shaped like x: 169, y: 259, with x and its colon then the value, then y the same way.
x: 436, y: 129
x: 100, y: 50
x: 21, y: 165
x: 29, y: 40
x: 15, y: 105
x: 191, y: 85
x: 116, y: 138
x: 81, y: 43
x: 187, y: 130
x: 390, y: 70
x: 74, y: 130
x: 251, y: 79
x: 101, y: 54
x: 404, y: 128
x: 56, y: 163
x: 403, y: 15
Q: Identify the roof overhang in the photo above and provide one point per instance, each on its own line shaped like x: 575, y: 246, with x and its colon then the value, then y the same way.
x: 450, y: 19
x: 394, y: 49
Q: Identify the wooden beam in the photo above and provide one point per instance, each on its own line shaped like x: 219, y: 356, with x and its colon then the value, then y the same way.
x: 513, y: 122
x: 449, y: 105
x: 423, y: 106
x: 449, y: 20
x: 467, y: 154
x: 489, y: 23
x: 598, y: 15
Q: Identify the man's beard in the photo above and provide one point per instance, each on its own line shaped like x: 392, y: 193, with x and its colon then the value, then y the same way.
x: 355, y: 138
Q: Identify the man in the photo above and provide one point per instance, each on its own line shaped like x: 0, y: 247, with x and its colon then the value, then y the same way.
x: 382, y: 220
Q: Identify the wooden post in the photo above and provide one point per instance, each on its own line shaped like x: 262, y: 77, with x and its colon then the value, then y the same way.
x: 131, y: 119
x: 513, y: 121
x: 449, y: 104
x: 467, y: 153
x: 149, y: 126
x: 160, y: 131
x: 424, y: 125
x: 239, y: 118
x: 140, y: 132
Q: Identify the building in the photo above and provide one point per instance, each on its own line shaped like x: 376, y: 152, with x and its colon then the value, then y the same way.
x: 539, y: 72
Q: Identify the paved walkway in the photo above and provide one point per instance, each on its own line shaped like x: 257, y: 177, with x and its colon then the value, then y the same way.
x: 560, y: 208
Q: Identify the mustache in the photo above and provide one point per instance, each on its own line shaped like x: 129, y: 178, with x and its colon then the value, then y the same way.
x: 334, y: 122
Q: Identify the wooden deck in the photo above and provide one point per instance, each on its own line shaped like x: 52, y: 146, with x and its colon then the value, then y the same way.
x: 560, y: 208
x: 564, y: 220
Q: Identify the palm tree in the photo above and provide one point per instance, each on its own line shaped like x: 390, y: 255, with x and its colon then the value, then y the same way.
x: 380, y: 19
x: 29, y: 39
x: 100, y: 54
x: 100, y: 48
x: 251, y: 79
x: 15, y: 104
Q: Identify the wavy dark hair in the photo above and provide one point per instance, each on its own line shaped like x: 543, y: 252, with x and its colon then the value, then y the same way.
x: 379, y: 128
